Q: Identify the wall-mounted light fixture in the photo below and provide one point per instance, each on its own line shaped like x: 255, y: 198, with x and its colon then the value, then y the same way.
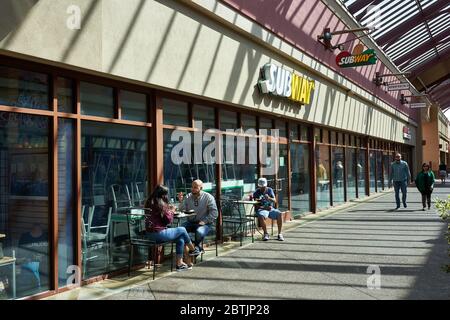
x: 378, y: 80
x: 327, y: 35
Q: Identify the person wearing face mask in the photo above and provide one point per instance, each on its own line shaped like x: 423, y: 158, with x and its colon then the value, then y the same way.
x: 425, y: 184
x: 401, y: 177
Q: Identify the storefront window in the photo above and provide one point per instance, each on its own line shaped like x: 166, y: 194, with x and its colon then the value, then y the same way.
x: 239, y: 168
x: 318, y: 134
x: 248, y: 121
x: 338, y: 190
x: 294, y: 133
x: 281, y: 126
x: 350, y: 159
x: 387, y: 160
x: 361, y: 172
x: 175, y: 113
x: 206, y: 115
x: 265, y: 123
x: 228, y: 120
x: 66, y: 101
x: 304, y: 133
x: 372, y: 164
x: 380, y: 185
x: 66, y: 198
x: 133, y: 105
x: 282, y: 179
x: 323, y: 176
x: 24, y: 204
x: 24, y: 89
x: 114, y: 178
x: 300, y: 192
x: 179, y: 171
x: 325, y: 136
x: 96, y: 100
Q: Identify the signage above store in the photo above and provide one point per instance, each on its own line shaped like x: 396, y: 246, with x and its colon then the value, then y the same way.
x: 283, y: 83
x: 406, y: 133
x: 418, y: 105
x: 357, y: 58
x: 398, y: 86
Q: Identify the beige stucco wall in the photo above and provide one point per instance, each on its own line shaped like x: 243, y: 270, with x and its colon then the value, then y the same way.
x: 168, y: 44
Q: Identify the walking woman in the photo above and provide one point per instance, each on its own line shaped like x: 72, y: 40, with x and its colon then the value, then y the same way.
x: 425, y: 184
x: 156, y: 225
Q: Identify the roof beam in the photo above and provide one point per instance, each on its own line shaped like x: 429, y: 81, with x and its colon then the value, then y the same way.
x: 417, y: 70
x: 428, y: 13
x: 430, y: 44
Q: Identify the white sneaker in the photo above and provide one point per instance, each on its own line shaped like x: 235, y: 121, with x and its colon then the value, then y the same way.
x: 280, y: 237
x: 266, y: 237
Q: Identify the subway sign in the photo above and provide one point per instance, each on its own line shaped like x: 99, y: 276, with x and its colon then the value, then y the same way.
x: 281, y: 82
x: 346, y: 60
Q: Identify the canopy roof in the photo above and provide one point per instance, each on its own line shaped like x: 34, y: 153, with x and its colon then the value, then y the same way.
x: 415, y: 34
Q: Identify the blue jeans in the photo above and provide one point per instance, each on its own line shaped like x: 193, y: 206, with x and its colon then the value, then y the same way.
x: 179, y: 235
x: 200, y: 231
x: 397, y: 186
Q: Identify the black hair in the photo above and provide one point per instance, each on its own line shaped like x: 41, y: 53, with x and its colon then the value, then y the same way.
x: 158, y: 197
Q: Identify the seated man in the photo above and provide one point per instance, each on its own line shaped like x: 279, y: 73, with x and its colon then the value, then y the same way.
x: 206, y: 211
x: 266, y: 209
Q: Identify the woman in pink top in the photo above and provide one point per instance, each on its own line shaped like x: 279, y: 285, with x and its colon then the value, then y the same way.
x: 160, y: 216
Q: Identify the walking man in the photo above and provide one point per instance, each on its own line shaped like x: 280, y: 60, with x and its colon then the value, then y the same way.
x: 401, y: 177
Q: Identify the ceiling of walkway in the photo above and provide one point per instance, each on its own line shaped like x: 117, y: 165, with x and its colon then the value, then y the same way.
x: 415, y: 34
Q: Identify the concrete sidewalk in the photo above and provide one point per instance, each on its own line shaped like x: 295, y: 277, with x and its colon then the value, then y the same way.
x: 327, y: 258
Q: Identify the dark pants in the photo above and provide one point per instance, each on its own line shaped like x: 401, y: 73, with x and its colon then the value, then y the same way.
x: 400, y: 185
x: 426, y: 197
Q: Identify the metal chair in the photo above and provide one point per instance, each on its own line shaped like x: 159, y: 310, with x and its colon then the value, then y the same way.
x: 233, y: 213
x: 121, y: 198
x: 136, y: 232
x: 92, y: 240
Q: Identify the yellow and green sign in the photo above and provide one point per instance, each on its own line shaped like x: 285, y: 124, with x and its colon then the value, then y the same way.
x: 283, y: 83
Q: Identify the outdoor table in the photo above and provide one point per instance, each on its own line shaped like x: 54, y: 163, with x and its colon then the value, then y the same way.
x: 178, y: 216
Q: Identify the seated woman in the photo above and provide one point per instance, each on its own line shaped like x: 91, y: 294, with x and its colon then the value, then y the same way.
x: 161, y: 215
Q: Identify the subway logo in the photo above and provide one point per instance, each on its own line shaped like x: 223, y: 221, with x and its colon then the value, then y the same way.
x: 283, y: 83
x: 345, y: 59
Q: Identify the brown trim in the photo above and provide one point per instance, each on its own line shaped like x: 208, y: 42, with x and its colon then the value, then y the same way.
x: 117, y: 105
x: 312, y: 163
x: 345, y: 173
x: 157, y: 142
x: 78, y: 245
x: 355, y: 172
x: 330, y: 159
x: 367, y: 173
x: 27, y: 111
x: 191, y: 115
x: 53, y: 170
x: 115, y: 121
x: 172, y: 127
x: 289, y: 169
x: 218, y: 168
x: 39, y: 296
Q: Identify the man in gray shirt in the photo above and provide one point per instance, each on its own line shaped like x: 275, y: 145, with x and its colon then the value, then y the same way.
x: 401, y: 177
x: 206, y: 211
